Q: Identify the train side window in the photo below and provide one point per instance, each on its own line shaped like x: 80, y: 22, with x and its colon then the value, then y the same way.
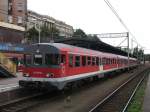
x: 77, y: 61
x: 52, y: 59
x: 93, y: 60
x: 103, y: 61
x: 89, y: 60
x: 70, y: 60
x: 107, y: 61
x: 28, y: 59
x: 63, y: 59
x: 83, y: 60
x: 97, y: 61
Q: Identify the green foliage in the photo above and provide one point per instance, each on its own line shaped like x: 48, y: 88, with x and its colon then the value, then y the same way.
x: 137, y: 103
x: 138, y: 53
x: 79, y: 33
x: 32, y: 33
x: 46, y: 32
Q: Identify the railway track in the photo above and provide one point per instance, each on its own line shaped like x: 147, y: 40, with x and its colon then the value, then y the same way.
x: 120, y: 98
x: 23, y: 103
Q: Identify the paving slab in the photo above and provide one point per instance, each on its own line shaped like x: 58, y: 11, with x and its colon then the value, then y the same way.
x: 10, y: 83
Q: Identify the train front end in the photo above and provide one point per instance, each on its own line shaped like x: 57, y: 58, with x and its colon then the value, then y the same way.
x: 43, y: 67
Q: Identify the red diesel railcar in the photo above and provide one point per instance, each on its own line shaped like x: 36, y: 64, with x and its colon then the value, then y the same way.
x: 56, y: 64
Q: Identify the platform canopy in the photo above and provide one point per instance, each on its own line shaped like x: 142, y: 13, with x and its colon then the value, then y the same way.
x: 92, y: 43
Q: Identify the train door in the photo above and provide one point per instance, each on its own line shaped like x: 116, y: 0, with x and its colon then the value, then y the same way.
x: 63, y: 64
x: 100, y: 64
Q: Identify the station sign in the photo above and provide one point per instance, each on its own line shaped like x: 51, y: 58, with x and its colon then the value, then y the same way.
x: 9, y: 47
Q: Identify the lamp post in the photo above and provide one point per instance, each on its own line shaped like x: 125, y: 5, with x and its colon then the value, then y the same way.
x: 39, y: 30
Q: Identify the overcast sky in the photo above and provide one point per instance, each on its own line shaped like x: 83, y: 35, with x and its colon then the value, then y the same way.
x: 94, y: 16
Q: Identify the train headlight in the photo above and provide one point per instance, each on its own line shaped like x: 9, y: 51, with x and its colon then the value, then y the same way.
x: 26, y: 75
x: 49, y: 75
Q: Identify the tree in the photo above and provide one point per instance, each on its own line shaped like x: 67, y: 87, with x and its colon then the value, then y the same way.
x: 32, y: 34
x: 47, y: 34
x: 79, y: 33
x: 139, y: 53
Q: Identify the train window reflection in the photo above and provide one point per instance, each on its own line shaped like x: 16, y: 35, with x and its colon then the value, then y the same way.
x: 28, y: 59
x: 38, y: 59
x: 52, y: 59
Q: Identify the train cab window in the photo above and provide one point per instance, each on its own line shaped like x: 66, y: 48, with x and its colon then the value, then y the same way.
x: 70, y: 60
x: 83, y: 60
x: 37, y: 59
x: 89, y: 60
x: 97, y: 61
x: 52, y: 59
x: 28, y: 59
x: 77, y: 61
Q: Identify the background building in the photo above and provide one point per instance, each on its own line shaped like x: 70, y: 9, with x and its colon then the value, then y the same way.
x: 10, y: 33
x: 13, y: 11
x: 65, y: 30
x: 38, y: 19
x: 34, y: 18
x: 3, y: 10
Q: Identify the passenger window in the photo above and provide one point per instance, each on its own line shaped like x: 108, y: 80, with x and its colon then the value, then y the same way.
x: 97, y: 61
x: 89, y: 60
x: 52, y: 59
x: 28, y: 59
x: 104, y: 61
x: 83, y: 60
x: 70, y: 60
x: 77, y: 61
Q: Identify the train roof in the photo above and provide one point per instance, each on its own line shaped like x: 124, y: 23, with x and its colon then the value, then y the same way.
x: 58, y: 47
x: 74, y: 49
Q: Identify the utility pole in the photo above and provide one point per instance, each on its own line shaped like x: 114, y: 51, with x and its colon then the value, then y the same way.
x: 39, y: 30
x: 128, y: 50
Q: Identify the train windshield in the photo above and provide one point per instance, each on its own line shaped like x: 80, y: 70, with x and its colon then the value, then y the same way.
x: 52, y: 59
x: 37, y: 60
x: 43, y: 60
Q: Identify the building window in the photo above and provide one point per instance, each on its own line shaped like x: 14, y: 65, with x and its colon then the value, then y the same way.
x: 20, y: 6
x: 20, y: 21
x: 10, y: 19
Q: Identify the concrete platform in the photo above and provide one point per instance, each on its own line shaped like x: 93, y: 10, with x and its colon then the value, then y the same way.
x: 10, y: 83
x: 146, y: 104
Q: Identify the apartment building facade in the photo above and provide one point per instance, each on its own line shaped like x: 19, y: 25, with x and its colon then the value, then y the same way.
x: 34, y: 18
x: 13, y: 11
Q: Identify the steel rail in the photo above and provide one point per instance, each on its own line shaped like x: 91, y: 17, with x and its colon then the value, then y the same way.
x: 134, y: 92
x: 114, y: 92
